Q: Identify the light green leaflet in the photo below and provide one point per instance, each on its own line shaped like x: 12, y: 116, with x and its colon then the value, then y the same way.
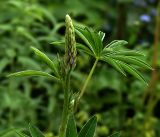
x: 32, y: 73
x: 45, y: 59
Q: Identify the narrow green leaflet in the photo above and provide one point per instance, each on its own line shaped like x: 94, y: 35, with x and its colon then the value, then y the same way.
x: 34, y: 131
x: 110, y: 51
x: 85, y: 36
x: 89, y: 128
x: 117, y: 43
x: 84, y: 49
x: 132, y: 71
x: 44, y: 58
x: 32, y: 73
x: 58, y: 43
x: 129, y: 53
x: 117, y: 134
x: 133, y: 60
x: 113, y: 63
x: 20, y: 134
x: 71, y: 127
x: 101, y: 34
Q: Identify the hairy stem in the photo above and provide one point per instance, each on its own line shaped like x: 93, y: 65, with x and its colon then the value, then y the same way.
x: 87, y: 81
x: 65, y: 113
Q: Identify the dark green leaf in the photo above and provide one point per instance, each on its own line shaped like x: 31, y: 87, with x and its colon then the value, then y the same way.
x: 71, y: 127
x: 84, y: 49
x: 34, y: 131
x: 83, y: 34
x: 97, y: 45
x: 89, y: 128
x: 92, y: 39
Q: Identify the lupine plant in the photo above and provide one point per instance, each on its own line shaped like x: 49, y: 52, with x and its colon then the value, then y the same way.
x: 92, y: 44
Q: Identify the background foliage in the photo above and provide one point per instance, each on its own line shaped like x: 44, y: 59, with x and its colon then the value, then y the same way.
x: 121, y: 104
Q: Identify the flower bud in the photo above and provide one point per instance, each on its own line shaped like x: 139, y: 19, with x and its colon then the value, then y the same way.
x: 70, y: 45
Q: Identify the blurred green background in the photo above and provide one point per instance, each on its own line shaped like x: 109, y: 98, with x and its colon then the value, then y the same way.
x: 121, y: 103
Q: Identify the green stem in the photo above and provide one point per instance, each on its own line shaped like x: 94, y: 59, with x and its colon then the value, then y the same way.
x: 87, y: 81
x: 65, y: 113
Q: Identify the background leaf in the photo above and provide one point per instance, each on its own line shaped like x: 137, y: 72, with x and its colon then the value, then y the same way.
x: 34, y: 131
x: 71, y: 127
x: 89, y: 128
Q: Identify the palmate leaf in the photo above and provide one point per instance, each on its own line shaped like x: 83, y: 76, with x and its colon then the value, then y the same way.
x: 32, y: 73
x: 121, y: 60
x: 71, y: 127
x: 89, y: 128
x: 34, y: 131
x: 45, y: 59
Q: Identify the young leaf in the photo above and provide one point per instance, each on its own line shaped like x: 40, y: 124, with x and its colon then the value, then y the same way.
x: 71, y: 127
x: 101, y: 34
x: 32, y: 73
x: 44, y: 58
x: 34, y: 131
x: 89, y: 128
x: 117, y: 134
